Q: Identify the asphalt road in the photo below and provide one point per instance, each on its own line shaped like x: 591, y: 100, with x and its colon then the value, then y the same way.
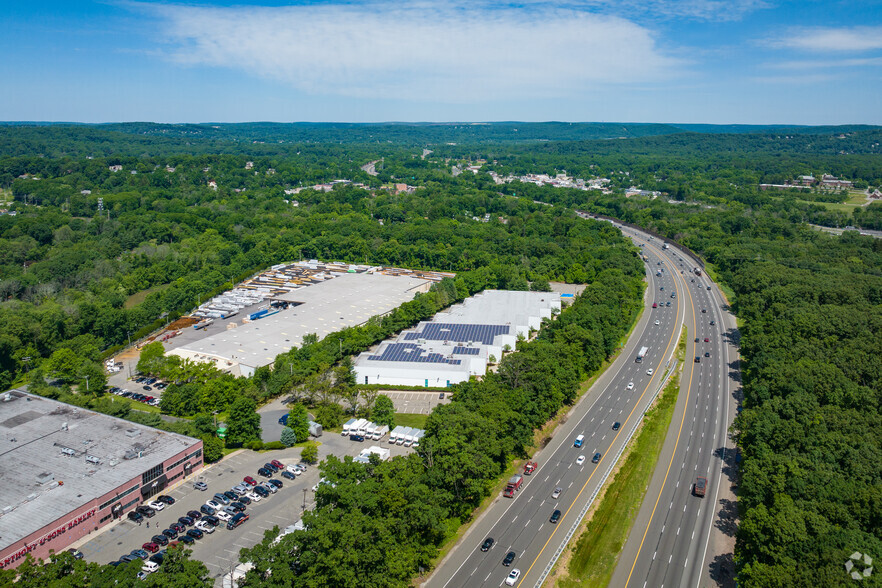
x: 522, y: 524
x: 669, y: 543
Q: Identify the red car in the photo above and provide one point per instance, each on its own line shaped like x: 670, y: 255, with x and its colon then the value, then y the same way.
x: 655, y: 304
x: 151, y: 547
x: 250, y: 481
x: 706, y: 340
x: 278, y: 464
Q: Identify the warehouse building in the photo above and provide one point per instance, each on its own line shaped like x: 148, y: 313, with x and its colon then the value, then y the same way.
x: 66, y: 472
x: 459, y: 342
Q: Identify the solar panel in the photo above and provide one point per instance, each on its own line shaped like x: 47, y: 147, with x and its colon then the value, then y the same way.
x: 459, y: 333
x: 466, y: 351
x: 411, y: 353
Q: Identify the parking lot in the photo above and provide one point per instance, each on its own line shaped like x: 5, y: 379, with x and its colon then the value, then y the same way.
x: 411, y: 402
x: 219, y: 550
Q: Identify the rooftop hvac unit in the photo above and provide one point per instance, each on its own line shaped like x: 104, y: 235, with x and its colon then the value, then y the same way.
x: 130, y: 454
x: 68, y: 451
x: 132, y: 432
x: 64, y: 426
x: 93, y: 459
x: 30, y: 496
x: 8, y: 509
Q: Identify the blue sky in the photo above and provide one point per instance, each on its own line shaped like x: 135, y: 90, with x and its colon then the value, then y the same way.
x: 700, y: 61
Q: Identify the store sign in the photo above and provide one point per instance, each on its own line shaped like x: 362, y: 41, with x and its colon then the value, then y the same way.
x: 29, y: 547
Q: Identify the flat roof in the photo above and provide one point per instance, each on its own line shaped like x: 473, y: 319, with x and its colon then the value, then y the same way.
x: 43, y: 442
x: 346, y: 300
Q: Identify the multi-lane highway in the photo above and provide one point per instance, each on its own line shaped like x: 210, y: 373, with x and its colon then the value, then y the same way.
x: 622, y: 394
x: 674, y: 538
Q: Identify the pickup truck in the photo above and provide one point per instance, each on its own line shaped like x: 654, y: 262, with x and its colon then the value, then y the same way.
x: 700, y: 487
x: 514, y: 484
x: 530, y: 467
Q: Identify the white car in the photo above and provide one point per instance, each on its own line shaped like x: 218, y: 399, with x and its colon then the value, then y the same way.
x: 580, y: 460
x: 156, y: 505
x: 224, y: 516
x: 556, y: 492
x: 205, y: 527
x: 657, y: 323
x: 254, y: 496
x: 513, y: 577
x: 630, y: 385
x: 649, y: 372
x: 294, y: 470
x: 214, y: 505
x: 149, y: 567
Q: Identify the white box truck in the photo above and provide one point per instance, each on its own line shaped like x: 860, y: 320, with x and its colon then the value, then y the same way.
x: 347, y: 426
x: 369, y: 430
x: 393, y: 436
x: 416, y: 438
x: 380, y: 432
x: 403, y: 435
x: 408, y: 439
x: 362, y: 427
x: 357, y: 426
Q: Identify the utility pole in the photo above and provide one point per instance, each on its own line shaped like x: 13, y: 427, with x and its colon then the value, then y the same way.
x: 304, y: 500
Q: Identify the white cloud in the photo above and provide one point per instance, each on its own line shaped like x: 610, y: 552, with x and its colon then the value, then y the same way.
x: 828, y: 63
x: 427, y: 52
x: 826, y: 39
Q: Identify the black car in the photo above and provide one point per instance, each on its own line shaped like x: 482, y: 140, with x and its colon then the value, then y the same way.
x: 195, y: 533
x: 703, y: 311
x: 146, y: 511
x: 616, y: 425
x: 165, y: 499
x: 244, y: 500
x: 713, y: 323
x: 187, y: 540
x: 238, y: 506
x: 289, y: 475
x: 487, y: 544
x: 262, y: 492
x: 596, y: 458
x: 697, y: 359
x: 148, y: 388
x: 441, y: 396
x: 707, y: 353
x: 555, y: 516
x: 509, y: 557
x: 264, y: 472
x: 231, y: 495
x: 186, y: 521
x: 271, y: 467
x: 276, y: 483
x: 170, y: 533
x: 696, y: 339
x: 158, y: 557
x: 177, y: 527
x: 135, y: 516
x: 356, y: 438
x: 127, y: 558
x: 160, y: 540
x: 211, y: 520
x: 206, y: 510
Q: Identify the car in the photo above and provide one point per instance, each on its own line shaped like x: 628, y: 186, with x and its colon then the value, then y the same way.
x: 630, y: 386
x: 76, y: 553
x: 237, y: 520
x: 509, y: 557
x: 700, y: 487
x: 211, y: 520
x: 135, y: 516
x: 693, y: 280
x: 707, y: 353
x: 264, y: 472
x: 712, y: 323
x: 703, y: 311
x: 149, y: 567
x: 146, y: 511
x: 200, y: 486
x: 673, y: 295
x: 187, y: 540
x: 271, y: 466
x: 487, y: 544
x: 556, y: 492
x: 207, y: 509
x: 697, y: 359
x: 580, y: 460
x: 127, y: 558
x: 250, y: 481
x: 204, y: 527
x: 655, y: 304
x: 270, y: 487
x: 657, y: 323
x: 649, y: 372
x: 261, y: 491
x: 358, y: 438
x: 158, y: 557
x: 223, y: 515
x: 276, y: 483
x: 231, y: 495
x: 170, y: 533
x: 616, y: 426
x: 194, y: 514
x: 160, y: 540
x: 213, y: 505
x: 195, y: 534
x: 140, y: 553
x: 283, y: 420
x: 662, y: 288
x: 156, y: 505
x: 278, y: 464
x: 707, y: 339
x: 708, y: 288
x: 667, y: 304
x: 696, y: 339
x: 147, y: 388
x: 186, y: 521
x: 289, y: 475
x: 294, y: 469
x: 441, y: 396
x: 150, y: 546
x: 596, y: 458
x: 555, y: 516
x: 230, y: 510
x: 241, y: 489
x: 244, y: 499
x: 237, y: 506
x: 254, y: 496
x: 166, y: 499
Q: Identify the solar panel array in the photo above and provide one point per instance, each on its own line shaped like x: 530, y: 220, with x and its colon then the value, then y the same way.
x: 466, y: 351
x: 459, y: 333
x: 411, y: 353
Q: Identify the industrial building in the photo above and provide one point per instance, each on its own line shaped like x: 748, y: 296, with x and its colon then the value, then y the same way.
x: 65, y: 472
x: 459, y: 342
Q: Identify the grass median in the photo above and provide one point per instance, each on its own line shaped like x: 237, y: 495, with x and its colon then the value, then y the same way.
x: 593, y: 559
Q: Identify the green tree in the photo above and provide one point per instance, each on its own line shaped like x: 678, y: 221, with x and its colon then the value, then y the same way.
x: 309, y: 454
x: 64, y: 365
x: 212, y: 449
x: 91, y: 378
x: 384, y: 411
x: 243, y: 424
x: 288, y: 437
x: 298, y: 421
x: 152, y: 358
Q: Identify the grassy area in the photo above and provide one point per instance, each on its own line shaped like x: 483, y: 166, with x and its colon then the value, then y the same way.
x: 594, y: 557
x: 411, y: 420
x: 139, y: 297
x: 711, y: 272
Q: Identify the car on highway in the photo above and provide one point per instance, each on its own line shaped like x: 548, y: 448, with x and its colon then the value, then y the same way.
x: 673, y: 295
x: 662, y: 288
x: 487, y: 544
x: 649, y: 372
x: 706, y: 340
x: 707, y: 353
x: 509, y: 557
x: 712, y: 323
x: 697, y: 359
x: 655, y: 304
x: 703, y: 311
x: 667, y: 304
x: 596, y: 458
x: 556, y: 492
x: 657, y: 323
x: 555, y: 516
x: 580, y: 460
x: 696, y: 339
x: 708, y: 288
x: 156, y: 505
x: 200, y: 486
x: 513, y: 577
x: 700, y: 487
x: 630, y: 386
x: 616, y: 426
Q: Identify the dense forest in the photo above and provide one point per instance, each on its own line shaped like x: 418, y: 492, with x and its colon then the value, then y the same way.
x: 810, y: 487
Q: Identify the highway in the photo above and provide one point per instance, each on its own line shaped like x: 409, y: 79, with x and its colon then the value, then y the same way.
x: 621, y: 394
x: 674, y: 541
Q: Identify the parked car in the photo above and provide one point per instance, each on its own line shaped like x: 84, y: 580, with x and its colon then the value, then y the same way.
x: 204, y: 527
x: 156, y: 505
x: 237, y: 506
x: 270, y: 487
x: 211, y: 520
x: 200, y: 486
x: 231, y: 495
x: 135, y: 516
x: 207, y: 509
x: 289, y: 475
x: 250, y: 481
x: 264, y: 472
x: 278, y: 464
x: 283, y: 420
x: 261, y: 491
x: 187, y: 540
x: 223, y: 515
x: 186, y: 521
x: 356, y: 438
x: 146, y: 511
x: 254, y: 496
x: 271, y: 466
x: 214, y: 505
x: 276, y: 483
x: 166, y: 499
x: 150, y: 546
x: 160, y: 540
x: 76, y: 553
x: 170, y: 533
x: 195, y: 533
x: 244, y: 499
x: 140, y: 553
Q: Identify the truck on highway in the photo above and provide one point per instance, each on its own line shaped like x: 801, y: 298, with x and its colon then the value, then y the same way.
x: 530, y: 467
x: 641, y: 354
x: 514, y: 484
x: 665, y: 246
x: 700, y: 487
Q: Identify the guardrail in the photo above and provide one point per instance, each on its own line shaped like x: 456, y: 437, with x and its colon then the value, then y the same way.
x: 603, y: 480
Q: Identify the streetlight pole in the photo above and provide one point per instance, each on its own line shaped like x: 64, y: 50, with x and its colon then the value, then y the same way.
x: 304, y: 500
x: 87, y: 384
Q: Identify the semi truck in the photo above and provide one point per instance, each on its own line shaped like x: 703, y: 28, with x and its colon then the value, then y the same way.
x: 641, y: 354
x: 514, y: 484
